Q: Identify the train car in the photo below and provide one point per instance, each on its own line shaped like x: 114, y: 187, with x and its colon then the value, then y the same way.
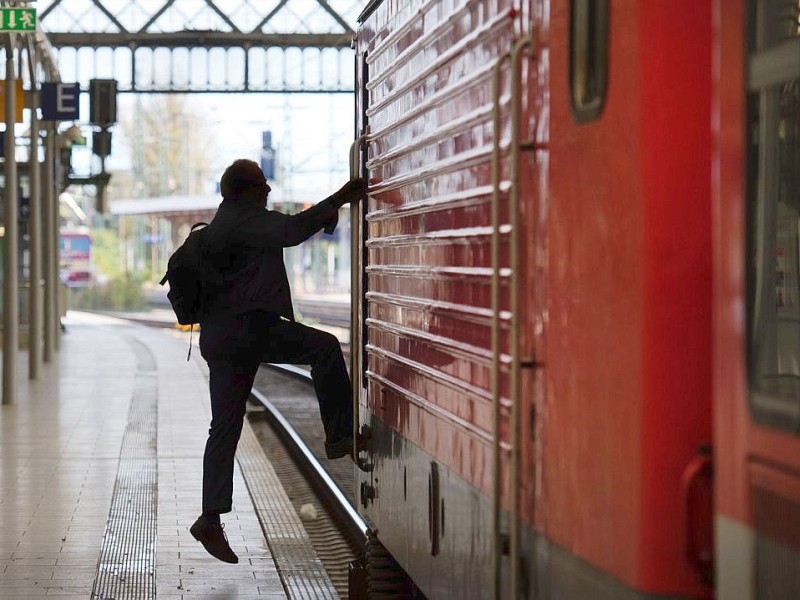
x: 756, y: 374
x: 75, y: 257
x: 532, y: 351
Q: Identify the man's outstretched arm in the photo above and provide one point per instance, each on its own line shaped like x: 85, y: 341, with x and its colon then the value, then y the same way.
x: 324, y: 214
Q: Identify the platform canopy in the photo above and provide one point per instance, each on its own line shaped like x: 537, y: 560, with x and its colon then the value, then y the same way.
x: 205, y: 45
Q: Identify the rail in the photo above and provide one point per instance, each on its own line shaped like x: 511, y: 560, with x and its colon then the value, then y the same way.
x: 318, y: 476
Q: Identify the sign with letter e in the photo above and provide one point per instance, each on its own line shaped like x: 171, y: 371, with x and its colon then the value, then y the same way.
x: 60, y: 101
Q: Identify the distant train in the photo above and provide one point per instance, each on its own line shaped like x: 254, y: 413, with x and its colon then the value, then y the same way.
x: 576, y: 347
x: 75, y: 257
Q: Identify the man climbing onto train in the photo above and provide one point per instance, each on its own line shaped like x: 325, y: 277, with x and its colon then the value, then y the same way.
x: 248, y: 319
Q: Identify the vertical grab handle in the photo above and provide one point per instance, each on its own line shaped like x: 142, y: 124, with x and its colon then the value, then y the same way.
x: 515, y: 56
x: 356, y: 237
x: 514, y: 324
x: 355, y: 155
x: 497, y: 541
x: 697, y: 498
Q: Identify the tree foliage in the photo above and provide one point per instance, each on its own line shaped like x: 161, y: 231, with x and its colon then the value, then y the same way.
x: 170, y: 147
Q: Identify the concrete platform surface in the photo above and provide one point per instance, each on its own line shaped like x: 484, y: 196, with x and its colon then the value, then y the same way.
x: 100, y: 479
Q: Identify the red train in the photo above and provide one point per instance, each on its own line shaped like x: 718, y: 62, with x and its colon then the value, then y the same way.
x: 577, y: 326
x: 75, y: 257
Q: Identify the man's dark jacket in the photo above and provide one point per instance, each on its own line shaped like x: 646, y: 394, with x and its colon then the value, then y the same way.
x: 245, y: 244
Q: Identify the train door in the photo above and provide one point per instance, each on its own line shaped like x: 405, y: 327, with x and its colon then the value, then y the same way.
x: 773, y: 217
x: 757, y: 302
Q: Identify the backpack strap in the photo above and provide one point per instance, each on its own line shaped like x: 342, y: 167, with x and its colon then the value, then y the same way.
x: 191, y: 332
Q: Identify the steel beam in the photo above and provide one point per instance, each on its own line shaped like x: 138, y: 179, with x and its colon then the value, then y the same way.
x: 199, y: 39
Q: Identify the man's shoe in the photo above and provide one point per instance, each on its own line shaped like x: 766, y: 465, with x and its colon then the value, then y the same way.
x: 339, y: 448
x: 212, y: 537
x: 344, y: 446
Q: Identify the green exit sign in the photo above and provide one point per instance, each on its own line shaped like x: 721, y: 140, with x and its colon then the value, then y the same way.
x: 17, y: 19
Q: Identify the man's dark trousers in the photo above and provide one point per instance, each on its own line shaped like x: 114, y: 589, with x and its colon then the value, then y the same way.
x: 233, y: 348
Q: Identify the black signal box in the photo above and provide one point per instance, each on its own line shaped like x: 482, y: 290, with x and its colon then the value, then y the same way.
x: 103, y: 102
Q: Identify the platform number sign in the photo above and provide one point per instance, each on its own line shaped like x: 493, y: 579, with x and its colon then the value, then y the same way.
x: 60, y: 101
x: 17, y: 19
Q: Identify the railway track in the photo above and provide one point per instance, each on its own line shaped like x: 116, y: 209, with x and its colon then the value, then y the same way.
x: 287, y: 408
x: 285, y: 417
x: 326, y: 312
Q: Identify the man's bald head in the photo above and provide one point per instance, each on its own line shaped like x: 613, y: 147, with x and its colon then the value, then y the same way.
x: 243, y: 179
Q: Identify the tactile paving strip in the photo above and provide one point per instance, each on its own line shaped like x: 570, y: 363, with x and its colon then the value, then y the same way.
x: 300, y: 569
x: 126, y: 567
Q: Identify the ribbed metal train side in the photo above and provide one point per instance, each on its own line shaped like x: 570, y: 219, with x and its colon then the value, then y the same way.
x: 427, y: 71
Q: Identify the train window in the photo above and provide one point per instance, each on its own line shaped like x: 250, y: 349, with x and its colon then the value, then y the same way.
x: 773, y: 214
x: 588, y: 58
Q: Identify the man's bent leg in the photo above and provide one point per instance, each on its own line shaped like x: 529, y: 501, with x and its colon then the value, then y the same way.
x: 230, y: 385
x: 294, y: 343
x: 333, y: 388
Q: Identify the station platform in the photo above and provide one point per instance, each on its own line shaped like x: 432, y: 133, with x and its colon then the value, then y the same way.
x: 101, y: 472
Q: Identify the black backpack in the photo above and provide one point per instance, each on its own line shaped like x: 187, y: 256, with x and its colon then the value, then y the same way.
x: 193, y: 277
x: 189, y: 274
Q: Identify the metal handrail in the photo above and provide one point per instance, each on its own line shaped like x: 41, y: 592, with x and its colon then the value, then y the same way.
x: 515, y: 56
x: 495, y: 373
x: 355, y: 285
x: 513, y: 216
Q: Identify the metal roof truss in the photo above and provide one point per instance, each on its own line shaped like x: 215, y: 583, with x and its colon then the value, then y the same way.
x: 204, y: 45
